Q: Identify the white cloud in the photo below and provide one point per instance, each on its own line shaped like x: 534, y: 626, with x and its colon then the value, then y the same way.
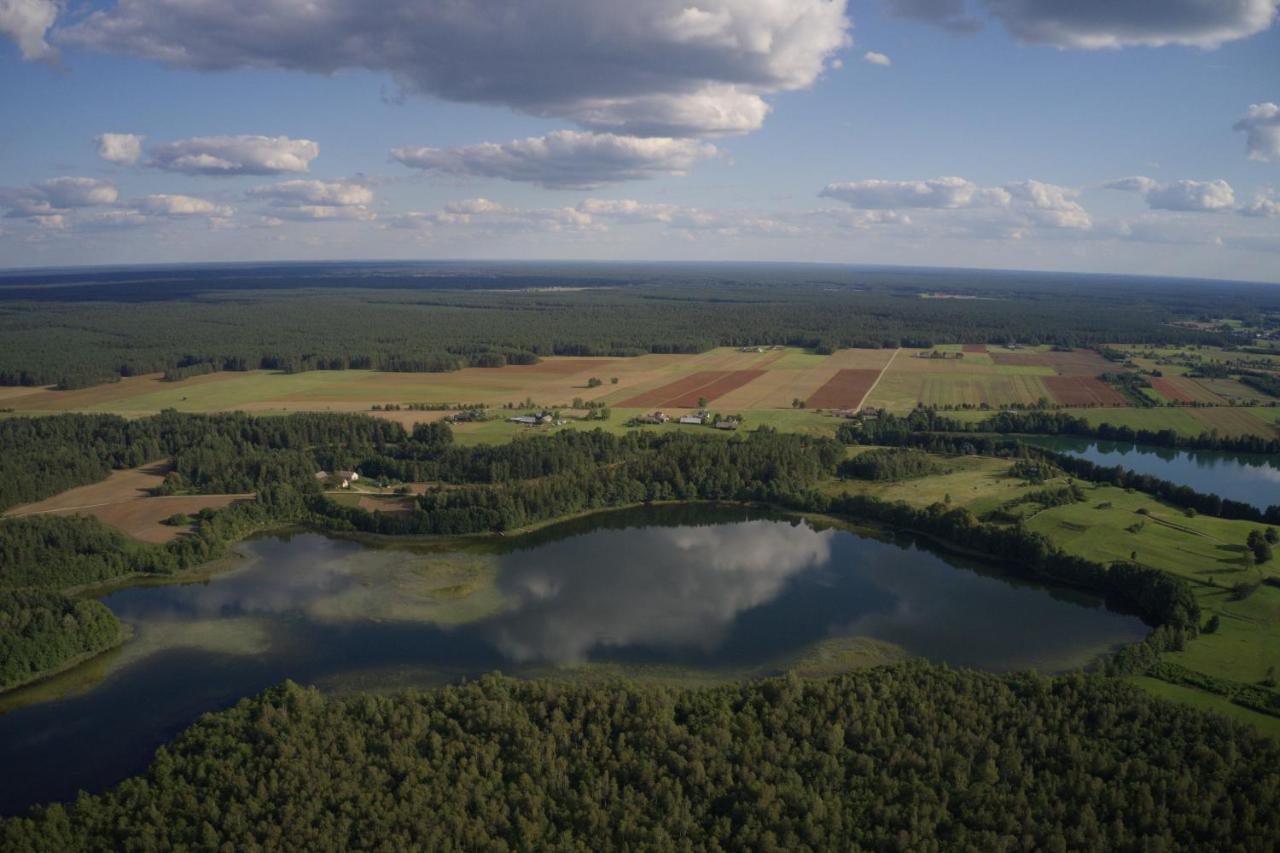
x: 56, y: 196
x: 1095, y: 24
x: 877, y: 58
x: 302, y: 192
x: 1263, y: 206
x: 27, y: 22
x: 651, y: 67
x: 324, y: 213
x: 235, y: 155
x: 1005, y: 210
x: 1261, y: 126
x: 167, y: 204
x: 942, y: 193
x: 1101, y: 24
x: 1200, y: 196
x: 565, y: 159
x: 123, y: 149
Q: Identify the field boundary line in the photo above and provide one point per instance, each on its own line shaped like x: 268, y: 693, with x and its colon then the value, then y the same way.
x: 883, y: 371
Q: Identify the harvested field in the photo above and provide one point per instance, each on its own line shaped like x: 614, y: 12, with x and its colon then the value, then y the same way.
x: 1171, y: 392
x: 122, y: 502
x: 1191, y: 390
x: 391, y: 505
x: 714, y: 390
x: 974, y: 348
x: 975, y: 390
x: 859, y: 359
x: 1233, y: 421
x: 1083, y: 391
x: 1076, y: 363
x: 775, y: 389
x: 660, y: 395
x: 844, y: 390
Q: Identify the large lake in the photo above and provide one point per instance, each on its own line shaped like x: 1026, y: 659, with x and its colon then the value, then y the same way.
x: 1249, y: 478
x: 676, y: 593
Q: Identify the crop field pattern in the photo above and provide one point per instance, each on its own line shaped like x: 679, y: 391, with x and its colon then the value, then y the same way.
x: 1082, y: 391
x: 844, y: 390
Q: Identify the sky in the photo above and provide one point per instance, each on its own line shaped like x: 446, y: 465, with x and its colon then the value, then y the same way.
x: 1123, y: 136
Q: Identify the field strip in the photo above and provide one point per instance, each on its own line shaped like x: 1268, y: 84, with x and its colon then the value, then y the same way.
x: 883, y: 371
x: 20, y: 514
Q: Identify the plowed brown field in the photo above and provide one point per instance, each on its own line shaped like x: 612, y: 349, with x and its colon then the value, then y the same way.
x: 1083, y: 391
x: 845, y: 389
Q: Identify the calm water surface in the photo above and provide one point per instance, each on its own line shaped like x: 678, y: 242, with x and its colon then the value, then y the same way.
x: 714, y: 590
x: 1249, y: 478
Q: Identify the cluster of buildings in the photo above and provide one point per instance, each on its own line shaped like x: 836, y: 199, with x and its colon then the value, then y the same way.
x: 697, y: 419
x: 536, y: 419
x: 346, y: 478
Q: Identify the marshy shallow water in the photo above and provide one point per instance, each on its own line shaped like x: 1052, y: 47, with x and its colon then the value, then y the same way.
x: 677, y: 593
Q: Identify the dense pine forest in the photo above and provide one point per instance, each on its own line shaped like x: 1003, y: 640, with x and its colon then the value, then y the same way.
x: 911, y: 757
x: 82, y: 328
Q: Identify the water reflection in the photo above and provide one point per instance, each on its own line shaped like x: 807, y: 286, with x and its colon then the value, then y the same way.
x: 718, y: 593
x: 662, y: 588
x: 1250, y: 478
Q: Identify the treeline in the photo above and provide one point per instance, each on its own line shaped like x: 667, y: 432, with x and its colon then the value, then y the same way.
x: 888, y: 464
x: 523, y: 482
x: 909, y: 757
x: 1063, y: 423
x: 96, y: 327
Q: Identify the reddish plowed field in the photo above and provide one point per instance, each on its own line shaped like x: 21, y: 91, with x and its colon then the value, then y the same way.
x: 719, y: 388
x: 975, y: 348
x: 660, y: 395
x: 1076, y: 363
x: 1169, y: 391
x: 845, y: 389
x: 1082, y: 391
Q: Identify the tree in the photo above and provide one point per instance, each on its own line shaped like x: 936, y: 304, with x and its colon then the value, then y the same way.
x: 595, y: 382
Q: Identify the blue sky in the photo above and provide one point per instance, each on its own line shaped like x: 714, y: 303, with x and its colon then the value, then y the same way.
x: 1093, y: 136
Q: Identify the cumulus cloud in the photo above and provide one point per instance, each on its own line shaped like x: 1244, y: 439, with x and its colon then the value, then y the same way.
x: 317, y: 201
x: 1100, y: 24
x: 300, y: 192
x: 167, y: 204
x: 949, y: 14
x: 876, y: 58
x: 27, y: 22
x: 235, y: 155
x: 652, y: 67
x: 1008, y: 209
x: 123, y: 149
x: 566, y: 159
x: 56, y: 196
x: 944, y: 193
x: 1263, y: 206
x: 1198, y: 196
x: 1094, y: 24
x: 485, y: 216
x: 1261, y: 126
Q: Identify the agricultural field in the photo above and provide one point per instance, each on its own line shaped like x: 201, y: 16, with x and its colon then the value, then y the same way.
x: 740, y: 381
x: 123, y: 501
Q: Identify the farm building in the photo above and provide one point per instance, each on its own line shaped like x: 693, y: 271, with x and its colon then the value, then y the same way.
x: 692, y: 419
x: 726, y: 424
x: 532, y: 420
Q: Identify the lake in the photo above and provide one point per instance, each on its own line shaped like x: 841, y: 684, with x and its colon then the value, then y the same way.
x: 685, y: 594
x: 1249, y: 478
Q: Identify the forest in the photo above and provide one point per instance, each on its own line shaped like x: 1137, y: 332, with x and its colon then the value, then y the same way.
x: 82, y: 328
x: 907, y: 757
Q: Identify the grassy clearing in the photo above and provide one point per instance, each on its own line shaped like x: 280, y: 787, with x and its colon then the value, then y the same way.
x: 1265, y: 723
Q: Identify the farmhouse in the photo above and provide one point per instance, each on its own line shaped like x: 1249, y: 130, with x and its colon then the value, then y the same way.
x: 654, y: 418
x: 726, y: 424
x: 532, y: 420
